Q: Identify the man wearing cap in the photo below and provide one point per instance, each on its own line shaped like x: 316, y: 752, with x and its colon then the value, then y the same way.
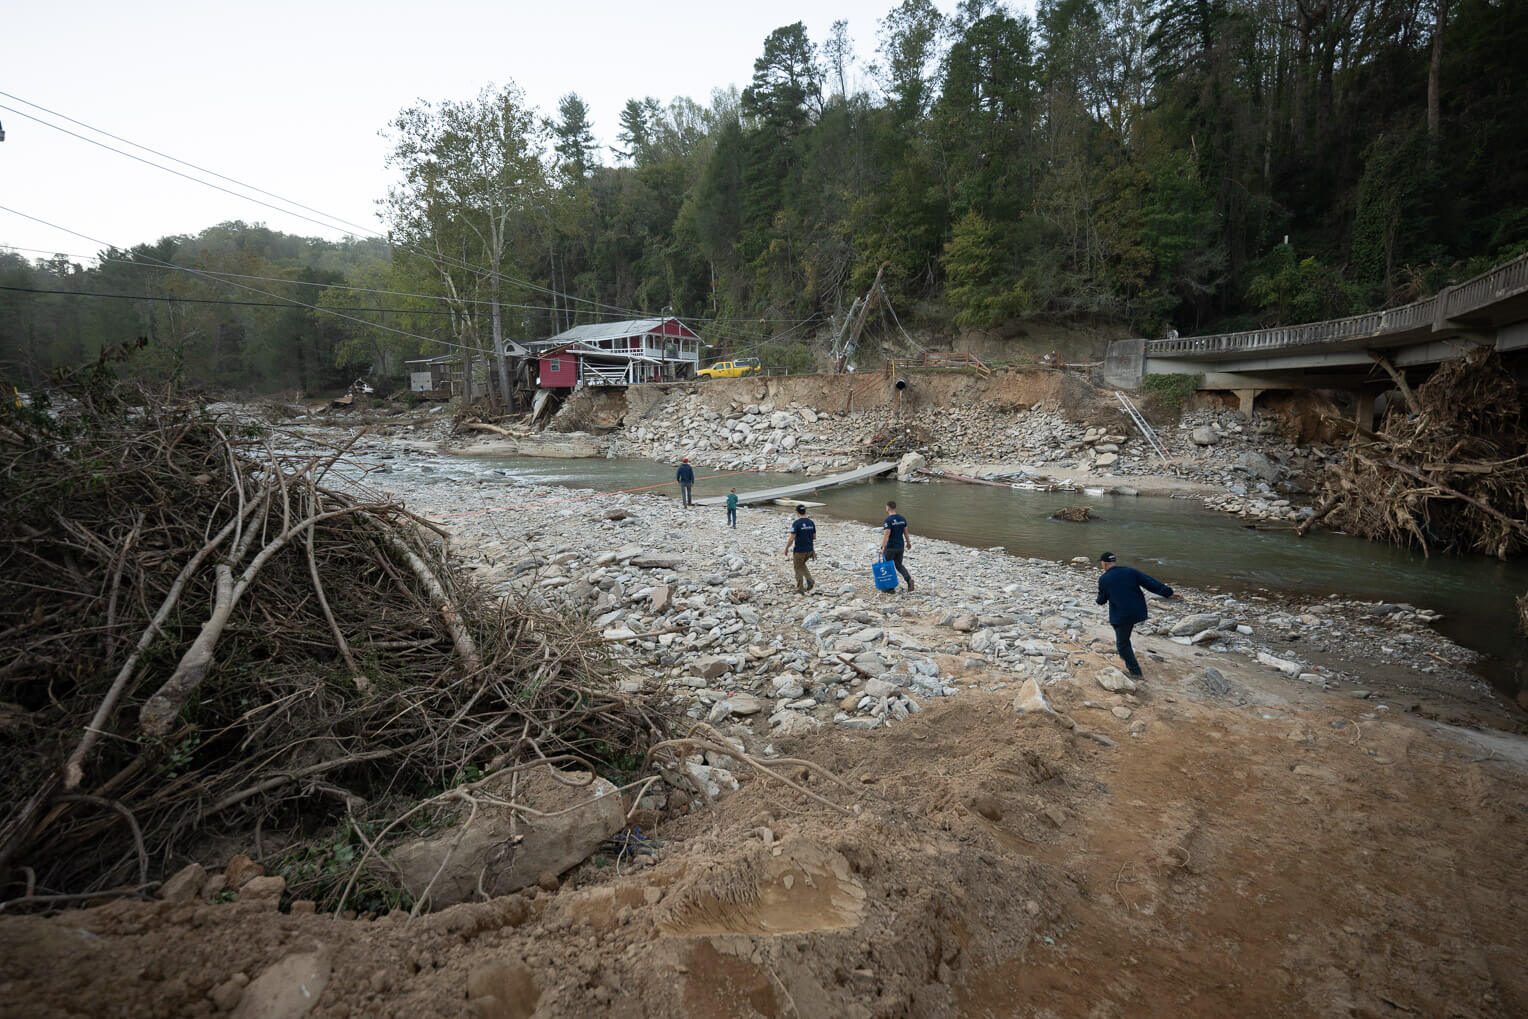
x: 800, y: 546
x: 686, y: 478
x: 1120, y: 587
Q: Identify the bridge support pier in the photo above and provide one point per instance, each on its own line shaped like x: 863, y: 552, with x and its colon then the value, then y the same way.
x: 1247, y: 401
x: 1365, y: 410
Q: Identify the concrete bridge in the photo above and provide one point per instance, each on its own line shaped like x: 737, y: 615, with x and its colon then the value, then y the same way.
x: 1358, y: 353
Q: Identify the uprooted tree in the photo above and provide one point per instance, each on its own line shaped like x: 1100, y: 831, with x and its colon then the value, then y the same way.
x: 1447, y: 470
x: 208, y: 633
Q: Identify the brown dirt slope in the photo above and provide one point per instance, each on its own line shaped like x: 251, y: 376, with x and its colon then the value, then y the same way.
x: 1261, y: 861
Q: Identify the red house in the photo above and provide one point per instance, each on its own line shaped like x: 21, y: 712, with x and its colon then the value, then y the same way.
x: 617, y: 354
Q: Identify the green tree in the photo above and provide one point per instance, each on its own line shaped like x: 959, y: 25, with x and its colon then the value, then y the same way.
x: 573, y: 137
x: 980, y: 284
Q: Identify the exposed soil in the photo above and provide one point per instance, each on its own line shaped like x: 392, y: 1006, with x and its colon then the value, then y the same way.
x: 601, y: 410
x: 1246, y: 854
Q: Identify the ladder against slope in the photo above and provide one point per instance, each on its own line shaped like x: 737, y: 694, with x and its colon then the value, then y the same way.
x: 1140, y: 423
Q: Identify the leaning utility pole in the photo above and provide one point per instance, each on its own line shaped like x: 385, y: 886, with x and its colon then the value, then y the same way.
x: 855, y: 323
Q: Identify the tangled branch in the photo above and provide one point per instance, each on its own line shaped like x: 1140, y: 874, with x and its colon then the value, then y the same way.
x: 208, y: 633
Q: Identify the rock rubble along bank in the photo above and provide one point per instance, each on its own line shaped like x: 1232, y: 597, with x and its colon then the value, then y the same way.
x: 1011, y: 425
x: 709, y: 614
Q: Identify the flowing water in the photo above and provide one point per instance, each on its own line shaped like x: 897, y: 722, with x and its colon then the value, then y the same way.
x: 1174, y: 539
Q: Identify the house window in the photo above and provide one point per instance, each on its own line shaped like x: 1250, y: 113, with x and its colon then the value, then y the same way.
x: 556, y: 365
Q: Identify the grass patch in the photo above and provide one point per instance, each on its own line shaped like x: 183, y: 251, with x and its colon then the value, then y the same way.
x: 1167, y: 394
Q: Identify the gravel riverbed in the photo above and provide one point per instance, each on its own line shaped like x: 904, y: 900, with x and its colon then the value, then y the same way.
x: 711, y: 614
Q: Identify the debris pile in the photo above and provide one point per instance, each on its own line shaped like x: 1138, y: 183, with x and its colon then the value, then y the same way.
x: 209, y: 635
x: 1447, y: 472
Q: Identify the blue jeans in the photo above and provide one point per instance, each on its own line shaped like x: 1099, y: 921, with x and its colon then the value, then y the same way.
x: 1122, y: 645
x: 732, y: 516
x: 684, y: 493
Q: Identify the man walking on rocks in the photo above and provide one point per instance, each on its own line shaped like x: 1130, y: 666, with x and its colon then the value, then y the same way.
x: 686, y: 478
x: 1120, y: 588
x: 732, y: 509
x: 894, y: 542
x: 800, y: 547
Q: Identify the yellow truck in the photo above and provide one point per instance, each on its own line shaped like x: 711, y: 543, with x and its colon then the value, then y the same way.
x: 734, y: 369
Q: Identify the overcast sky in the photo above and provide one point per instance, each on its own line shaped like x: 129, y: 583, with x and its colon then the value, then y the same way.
x: 290, y: 96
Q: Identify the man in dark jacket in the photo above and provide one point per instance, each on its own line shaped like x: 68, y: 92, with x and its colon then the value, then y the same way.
x: 1120, y: 587
x: 686, y: 478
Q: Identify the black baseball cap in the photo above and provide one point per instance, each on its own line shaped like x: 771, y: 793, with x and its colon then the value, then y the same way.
x: 1107, y: 557
x: 800, y: 508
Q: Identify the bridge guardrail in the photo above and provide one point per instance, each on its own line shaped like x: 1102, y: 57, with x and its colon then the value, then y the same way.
x: 1488, y: 287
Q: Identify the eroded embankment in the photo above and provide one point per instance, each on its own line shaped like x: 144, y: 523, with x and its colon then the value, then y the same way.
x: 1217, y: 862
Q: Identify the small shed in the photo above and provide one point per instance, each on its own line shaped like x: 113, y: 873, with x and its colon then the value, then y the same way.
x: 432, y: 374
x: 557, y: 368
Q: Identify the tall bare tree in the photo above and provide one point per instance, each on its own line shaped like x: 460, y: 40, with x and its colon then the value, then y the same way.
x: 470, y: 172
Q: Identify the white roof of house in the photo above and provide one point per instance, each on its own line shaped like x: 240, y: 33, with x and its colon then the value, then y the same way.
x: 610, y: 355
x: 596, y: 331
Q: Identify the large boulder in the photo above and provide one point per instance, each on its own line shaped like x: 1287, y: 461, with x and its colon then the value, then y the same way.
x: 910, y: 464
x: 584, y: 813
x: 1204, y: 435
x: 1259, y: 466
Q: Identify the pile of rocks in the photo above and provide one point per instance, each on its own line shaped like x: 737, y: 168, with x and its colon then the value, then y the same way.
x: 1105, y: 448
x: 756, y: 436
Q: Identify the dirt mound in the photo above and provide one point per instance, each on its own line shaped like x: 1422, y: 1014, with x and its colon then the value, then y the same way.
x: 769, y: 904
x: 1215, y: 862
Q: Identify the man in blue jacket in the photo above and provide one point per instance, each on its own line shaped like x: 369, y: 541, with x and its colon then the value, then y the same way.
x: 686, y: 478
x: 1120, y: 587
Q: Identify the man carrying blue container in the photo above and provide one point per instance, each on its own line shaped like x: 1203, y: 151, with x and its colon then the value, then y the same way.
x: 894, y: 542
x: 1120, y: 588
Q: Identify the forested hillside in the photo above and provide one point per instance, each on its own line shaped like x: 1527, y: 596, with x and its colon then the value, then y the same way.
x: 1138, y: 162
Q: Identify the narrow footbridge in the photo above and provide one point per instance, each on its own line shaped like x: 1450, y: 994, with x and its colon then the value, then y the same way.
x: 1358, y: 352
x: 803, y: 488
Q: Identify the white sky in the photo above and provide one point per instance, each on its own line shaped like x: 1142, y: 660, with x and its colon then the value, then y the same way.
x: 290, y: 96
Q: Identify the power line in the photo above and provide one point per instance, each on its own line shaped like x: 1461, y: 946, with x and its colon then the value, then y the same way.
x: 330, y: 218
x: 328, y: 222
x: 305, y: 283
x: 175, y: 159
x: 244, y: 286
x: 721, y: 329
x: 209, y: 300
x: 279, y: 302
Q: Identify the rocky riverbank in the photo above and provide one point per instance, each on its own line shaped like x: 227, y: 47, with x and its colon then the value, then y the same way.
x: 709, y: 614
x: 1039, y: 428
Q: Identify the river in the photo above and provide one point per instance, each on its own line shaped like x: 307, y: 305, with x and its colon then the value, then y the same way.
x: 1175, y: 539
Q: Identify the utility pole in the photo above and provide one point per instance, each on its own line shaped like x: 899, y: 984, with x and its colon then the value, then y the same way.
x: 856, y: 323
